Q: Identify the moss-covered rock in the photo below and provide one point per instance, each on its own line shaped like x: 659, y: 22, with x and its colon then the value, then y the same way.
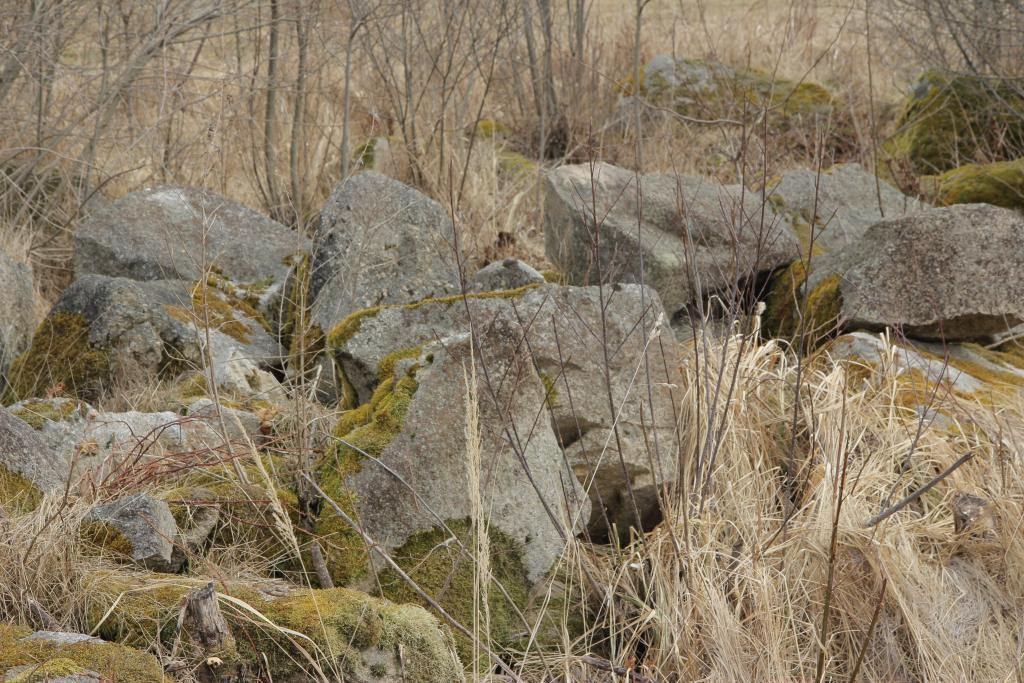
x: 293, y: 631
x: 61, y: 359
x: 789, y: 316
x: 949, y: 120
x: 1000, y: 183
x: 28, y: 467
x: 708, y: 89
x: 38, y: 412
x: 220, y: 306
x: 397, y: 329
x: 441, y: 562
x: 106, y: 330
x: 363, y: 432
x: 31, y: 658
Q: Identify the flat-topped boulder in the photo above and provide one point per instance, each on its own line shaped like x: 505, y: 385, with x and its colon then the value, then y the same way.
x: 174, y: 233
x: 691, y: 238
x: 951, y: 273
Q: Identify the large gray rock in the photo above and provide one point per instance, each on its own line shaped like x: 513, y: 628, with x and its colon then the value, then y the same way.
x: 170, y: 233
x: 950, y: 273
x: 103, y: 330
x: 618, y: 438
x: 17, y: 311
x: 27, y: 466
x: 421, y: 477
x: 142, y: 522
x: 841, y: 203
x: 379, y: 242
x: 695, y: 237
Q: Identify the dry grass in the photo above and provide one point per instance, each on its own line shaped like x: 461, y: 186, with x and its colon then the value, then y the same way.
x: 733, y: 585
x: 783, y: 469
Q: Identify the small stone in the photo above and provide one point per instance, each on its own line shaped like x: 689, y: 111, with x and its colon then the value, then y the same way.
x: 510, y: 273
x: 139, y: 526
x: 971, y: 513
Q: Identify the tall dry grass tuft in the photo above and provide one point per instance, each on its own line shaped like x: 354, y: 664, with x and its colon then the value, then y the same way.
x: 734, y: 584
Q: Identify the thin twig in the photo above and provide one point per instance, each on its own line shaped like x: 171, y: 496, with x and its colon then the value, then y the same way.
x: 884, y: 514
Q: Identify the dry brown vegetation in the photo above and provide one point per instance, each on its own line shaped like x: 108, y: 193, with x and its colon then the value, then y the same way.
x: 768, y: 565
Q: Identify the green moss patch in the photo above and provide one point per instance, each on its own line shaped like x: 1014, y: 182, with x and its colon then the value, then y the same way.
x: 216, y: 305
x: 1000, y: 183
x: 17, y: 494
x: 61, y: 361
x: 108, y: 538
x: 784, y: 303
x: 291, y: 631
x: 47, y: 659
x: 440, y: 567
x: 368, y: 430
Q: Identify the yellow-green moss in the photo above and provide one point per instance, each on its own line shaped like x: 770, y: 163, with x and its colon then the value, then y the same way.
x: 17, y: 494
x: 219, y: 310
x: 991, y: 376
x: 365, y: 431
x: 47, y: 670
x: 349, y: 326
x: 335, y: 626
x: 440, y: 567
x: 61, y: 361
x: 951, y: 120
x: 108, y: 538
x: 550, y: 390
x: 386, y: 367
x: 782, y: 301
x: 825, y: 306
x: 112, y: 661
x: 801, y: 98
x: 515, y: 164
x: 554, y: 277
x: 490, y: 128
x: 1001, y: 184
x: 783, y: 306
x: 38, y: 413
